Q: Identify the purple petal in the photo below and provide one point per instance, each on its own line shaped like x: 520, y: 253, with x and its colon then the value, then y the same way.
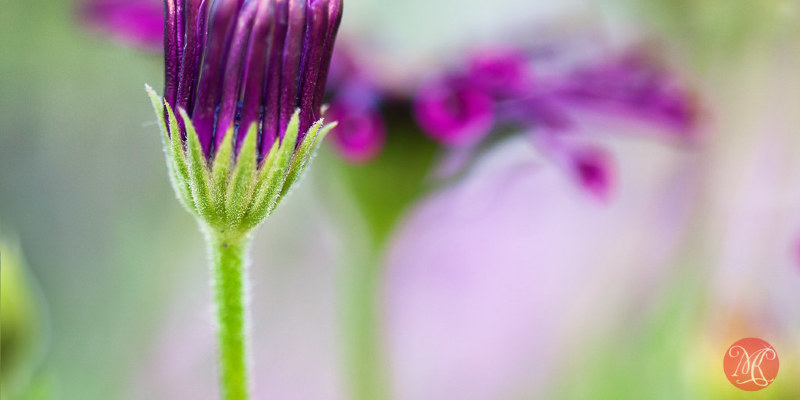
x: 222, y: 15
x: 196, y: 16
x: 593, y: 169
x: 334, y: 20
x: 256, y: 71
x: 137, y: 22
x: 313, y: 48
x: 501, y: 71
x: 171, y: 58
x: 538, y: 111
x: 271, y: 119
x: 292, y: 55
x: 632, y: 88
x: 234, y: 73
x: 360, y: 134
x: 453, y: 113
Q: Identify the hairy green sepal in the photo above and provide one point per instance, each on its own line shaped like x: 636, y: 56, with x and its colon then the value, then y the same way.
x: 233, y: 192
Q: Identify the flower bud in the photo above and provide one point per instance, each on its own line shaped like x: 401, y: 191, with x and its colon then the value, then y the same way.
x: 244, y: 81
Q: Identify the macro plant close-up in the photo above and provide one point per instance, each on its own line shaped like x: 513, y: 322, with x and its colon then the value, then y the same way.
x: 441, y: 199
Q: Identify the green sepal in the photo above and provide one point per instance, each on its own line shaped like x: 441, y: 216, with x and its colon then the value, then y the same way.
x: 173, y: 150
x: 198, y: 172
x: 239, y: 191
x: 304, y: 155
x: 178, y: 157
x: 220, y: 171
x: 158, y: 107
x: 270, y: 188
x: 266, y: 165
x: 232, y: 192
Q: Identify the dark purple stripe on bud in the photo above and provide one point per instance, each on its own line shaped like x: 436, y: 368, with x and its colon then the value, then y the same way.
x: 170, y: 50
x: 239, y: 62
x: 223, y: 13
x: 292, y: 54
x: 334, y: 20
x: 256, y: 69
x: 196, y: 14
x: 271, y: 105
x: 310, y: 64
x: 234, y: 72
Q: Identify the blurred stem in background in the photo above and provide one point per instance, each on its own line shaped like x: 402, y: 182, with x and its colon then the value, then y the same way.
x: 366, y: 364
x: 228, y: 256
x: 23, y: 327
x: 378, y: 195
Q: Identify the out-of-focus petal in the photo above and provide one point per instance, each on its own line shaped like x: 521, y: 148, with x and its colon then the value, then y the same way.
x: 454, y: 113
x: 136, y: 22
x: 360, y: 134
x: 593, y: 169
x: 501, y: 71
x: 494, y: 284
x: 634, y: 88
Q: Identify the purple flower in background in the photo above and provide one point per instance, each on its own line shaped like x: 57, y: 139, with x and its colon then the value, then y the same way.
x: 630, y: 86
x: 355, y: 104
x: 136, y: 22
x: 360, y: 134
x: 496, y: 88
x: 237, y: 63
x: 454, y: 112
x: 501, y: 72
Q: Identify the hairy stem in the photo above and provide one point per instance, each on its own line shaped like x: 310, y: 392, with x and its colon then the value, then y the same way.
x: 228, y: 254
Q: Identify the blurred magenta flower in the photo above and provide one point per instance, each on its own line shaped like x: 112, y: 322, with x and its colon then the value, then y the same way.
x: 454, y: 112
x: 355, y: 104
x: 495, y: 90
x: 628, y: 87
x: 360, y: 134
x: 634, y: 87
x: 501, y: 71
x: 137, y: 22
x: 498, y: 282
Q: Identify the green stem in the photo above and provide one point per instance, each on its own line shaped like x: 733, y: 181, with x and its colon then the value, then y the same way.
x: 363, y: 338
x: 228, y: 267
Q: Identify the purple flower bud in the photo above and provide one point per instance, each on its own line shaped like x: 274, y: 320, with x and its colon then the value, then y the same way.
x: 454, y: 112
x: 360, y: 134
x: 234, y: 63
x: 501, y: 71
x: 136, y: 22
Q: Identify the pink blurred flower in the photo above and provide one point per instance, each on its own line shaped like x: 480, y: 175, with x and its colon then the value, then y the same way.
x: 136, y: 22
x: 355, y: 104
x: 453, y: 112
x: 632, y: 87
x: 498, y: 283
x: 501, y: 71
x: 360, y: 134
x: 500, y: 83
